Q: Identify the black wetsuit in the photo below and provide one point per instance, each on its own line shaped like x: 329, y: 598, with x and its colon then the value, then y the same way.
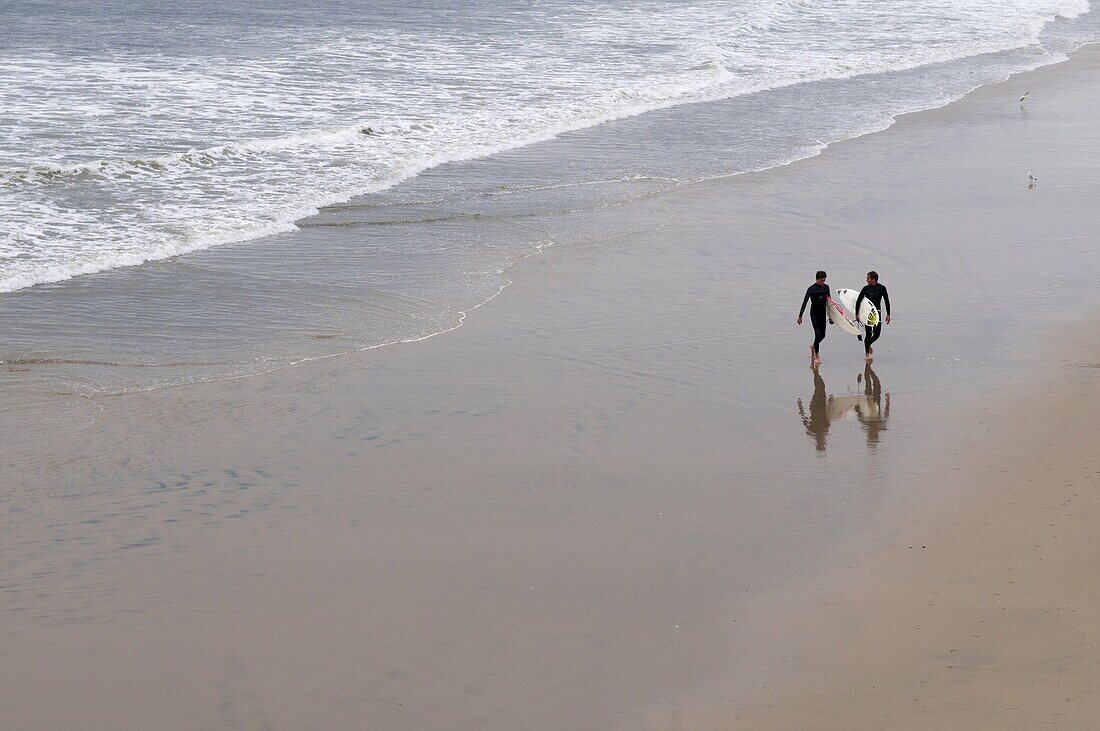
x: 877, y: 294
x: 816, y: 295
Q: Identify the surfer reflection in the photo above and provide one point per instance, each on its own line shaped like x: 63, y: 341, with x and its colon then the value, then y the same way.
x: 871, y: 408
x: 875, y: 409
x: 817, y: 420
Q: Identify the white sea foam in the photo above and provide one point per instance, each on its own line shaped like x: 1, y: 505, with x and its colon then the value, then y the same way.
x: 123, y: 151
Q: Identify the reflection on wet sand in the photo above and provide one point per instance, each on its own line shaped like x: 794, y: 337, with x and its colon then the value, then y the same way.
x: 817, y: 421
x: 871, y: 408
x: 875, y: 408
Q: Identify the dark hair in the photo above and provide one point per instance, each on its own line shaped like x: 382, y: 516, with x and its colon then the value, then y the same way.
x: 873, y: 275
x: 820, y: 275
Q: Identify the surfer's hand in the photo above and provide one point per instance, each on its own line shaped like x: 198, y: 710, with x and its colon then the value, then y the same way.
x: 887, y: 319
x: 798, y: 321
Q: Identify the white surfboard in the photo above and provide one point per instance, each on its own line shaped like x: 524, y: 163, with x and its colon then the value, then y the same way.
x: 839, y: 317
x: 868, y: 313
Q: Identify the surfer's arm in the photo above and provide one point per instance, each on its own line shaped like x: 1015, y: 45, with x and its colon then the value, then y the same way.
x: 802, y: 309
x: 886, y: 302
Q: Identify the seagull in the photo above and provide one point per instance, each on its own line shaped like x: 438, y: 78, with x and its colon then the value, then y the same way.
x: 1031, y: 177
x: 1025, y: 95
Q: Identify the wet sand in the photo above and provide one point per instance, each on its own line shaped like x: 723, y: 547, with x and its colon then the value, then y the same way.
x: 616, y: 495
x: 976, y: 608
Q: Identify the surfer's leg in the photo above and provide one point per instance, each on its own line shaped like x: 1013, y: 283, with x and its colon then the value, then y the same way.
x: 819, y: 331
x: 871, y: 335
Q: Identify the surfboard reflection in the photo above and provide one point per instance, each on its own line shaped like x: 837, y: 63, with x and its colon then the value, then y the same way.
x: 871, y: 408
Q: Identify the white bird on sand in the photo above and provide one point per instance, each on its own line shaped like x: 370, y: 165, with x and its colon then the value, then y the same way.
x: 1025, y: 95
x: 1031, y: 177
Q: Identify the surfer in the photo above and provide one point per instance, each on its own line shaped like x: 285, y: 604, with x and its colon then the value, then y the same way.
x: 878, y: 295
x: 817, y: 295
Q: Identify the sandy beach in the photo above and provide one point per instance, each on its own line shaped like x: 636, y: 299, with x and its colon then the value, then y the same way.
x: 617, y: 496
x: 975, y: 609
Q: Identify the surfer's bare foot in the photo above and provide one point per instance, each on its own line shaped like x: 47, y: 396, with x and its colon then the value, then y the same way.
x: 867, y: 357
x: 871, y: 351
x: 812, y: 353
x: 817, y: 360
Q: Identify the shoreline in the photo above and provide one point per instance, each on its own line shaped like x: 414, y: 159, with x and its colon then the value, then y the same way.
x: 545, y: 519
x: 117, y: 295
x: 292, y: 225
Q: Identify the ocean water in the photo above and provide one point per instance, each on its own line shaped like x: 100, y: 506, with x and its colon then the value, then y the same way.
x: 201, y: 190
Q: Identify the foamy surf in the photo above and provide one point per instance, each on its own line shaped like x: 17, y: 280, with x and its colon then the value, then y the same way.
x: 144, y: 144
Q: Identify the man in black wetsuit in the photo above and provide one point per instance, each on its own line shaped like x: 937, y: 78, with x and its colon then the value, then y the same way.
x: 878, y: 295
x: 817, y: 295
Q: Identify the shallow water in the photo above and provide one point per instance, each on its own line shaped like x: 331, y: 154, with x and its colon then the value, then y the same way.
x: 152, y: 169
